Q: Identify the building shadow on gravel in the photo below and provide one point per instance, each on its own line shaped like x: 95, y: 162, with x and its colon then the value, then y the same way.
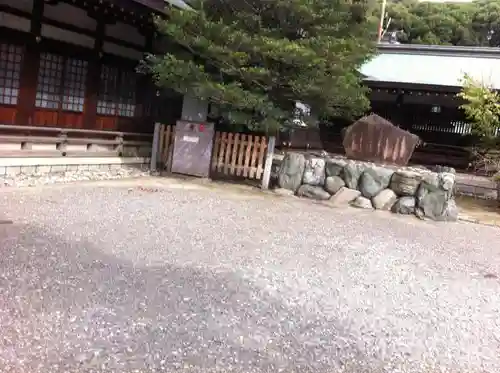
x: 66, y: 306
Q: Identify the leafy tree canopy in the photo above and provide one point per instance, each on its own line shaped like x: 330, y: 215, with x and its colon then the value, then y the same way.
x: 475, y: 24
x: 254, y: 59
x: 482, y: 108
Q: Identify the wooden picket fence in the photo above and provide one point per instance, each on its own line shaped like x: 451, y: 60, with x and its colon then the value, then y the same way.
x: 239, y: 155
x: 236, y: 155
x: 166, y: 146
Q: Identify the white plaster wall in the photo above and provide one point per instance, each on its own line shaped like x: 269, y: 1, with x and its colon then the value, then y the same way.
x: 14, y: 22
x: 194, y: 109
x: 70, y: 14
x: 126, y: 32
x: 26, y: 5
x: 56, y: 33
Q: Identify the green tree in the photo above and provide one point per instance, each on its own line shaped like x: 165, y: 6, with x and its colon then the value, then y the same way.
x: 254, y: 59
x: 482, y: 108
x: 475, y: 24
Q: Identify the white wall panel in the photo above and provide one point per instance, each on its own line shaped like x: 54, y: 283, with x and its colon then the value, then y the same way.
x: 194, y: 109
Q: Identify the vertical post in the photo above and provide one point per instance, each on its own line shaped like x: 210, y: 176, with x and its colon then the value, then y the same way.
x: 93, y: 78
x: 154, y: 148
x: 29, y: 68
x: 498, y: 191
x: 381, y: 23
x: 269, y: 162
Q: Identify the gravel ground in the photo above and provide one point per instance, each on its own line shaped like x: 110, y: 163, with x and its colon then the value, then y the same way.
x: 110, y: 277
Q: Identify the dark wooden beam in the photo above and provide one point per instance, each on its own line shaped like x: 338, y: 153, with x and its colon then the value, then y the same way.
x: 93, y: 78
x: 70, y: 27
x: 30, y: 67
x: 144, y: 90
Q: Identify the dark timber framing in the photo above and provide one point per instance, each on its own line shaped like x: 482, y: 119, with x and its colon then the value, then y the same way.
x: 128, y: 113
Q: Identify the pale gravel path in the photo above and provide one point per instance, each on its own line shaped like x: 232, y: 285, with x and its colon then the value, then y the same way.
x: 111, y: 279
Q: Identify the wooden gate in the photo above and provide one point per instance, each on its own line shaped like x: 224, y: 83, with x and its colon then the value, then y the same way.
x: 234, y: 155
x: 239, y: 155
x: 166, y: 146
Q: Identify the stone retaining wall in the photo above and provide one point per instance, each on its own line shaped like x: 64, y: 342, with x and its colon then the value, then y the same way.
x: 38, y: 171
x: 406, y: 190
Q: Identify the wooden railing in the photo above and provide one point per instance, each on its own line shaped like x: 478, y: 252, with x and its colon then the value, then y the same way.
x: 27, y: 141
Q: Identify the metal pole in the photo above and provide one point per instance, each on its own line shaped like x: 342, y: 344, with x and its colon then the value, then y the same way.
x: 381, y: 23
x: 269, y: 162
x: 154, y: 147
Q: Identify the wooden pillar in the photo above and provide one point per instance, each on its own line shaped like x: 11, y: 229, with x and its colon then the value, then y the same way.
x: 93, y: 78
x: 30, y: 67
x: 143, y: 119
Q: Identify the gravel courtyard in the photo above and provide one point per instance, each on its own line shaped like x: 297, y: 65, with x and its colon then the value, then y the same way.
x: 173, y: 276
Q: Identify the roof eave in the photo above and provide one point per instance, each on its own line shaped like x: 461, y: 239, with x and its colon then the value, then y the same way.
x: 423, y: 49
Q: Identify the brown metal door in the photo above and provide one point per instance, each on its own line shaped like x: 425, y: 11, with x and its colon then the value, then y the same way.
x: 192, y: 148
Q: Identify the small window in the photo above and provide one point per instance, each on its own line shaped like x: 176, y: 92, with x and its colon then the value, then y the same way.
x: 10, y: 71
x: 126, y: 106
x: 61, y: 83
x: 75, y: 74
x: 48, y: 92
x: 117, y: 92
x: 108, y: 91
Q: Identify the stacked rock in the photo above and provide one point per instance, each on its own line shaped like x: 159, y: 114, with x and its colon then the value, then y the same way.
x: 366, y: 185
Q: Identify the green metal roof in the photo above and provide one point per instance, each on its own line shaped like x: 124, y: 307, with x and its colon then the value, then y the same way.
x: 178, y: 3
x: 433, y: 65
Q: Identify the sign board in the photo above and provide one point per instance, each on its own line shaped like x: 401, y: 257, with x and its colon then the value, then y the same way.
x: 192, y: 148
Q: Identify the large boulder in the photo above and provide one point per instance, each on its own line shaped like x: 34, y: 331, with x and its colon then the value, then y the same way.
x: 446, y: 169
x: 333, y: 184
x: 291, y: 171
x: 405, y: 183
x: 433, y: 202
x: 314, y: 171
x: 314, y: 192
x: 344, y: 196
x: 434, y: 205
x: 362, y: 203
x: 384, y: 200
x: 450, y: 212
x: 352, y: 173
x: 374, y: 180
x: 284, y: 192
x: 447, y: 182
x: 373, y: 138
x: 335, y: 167
x: 404, y: 205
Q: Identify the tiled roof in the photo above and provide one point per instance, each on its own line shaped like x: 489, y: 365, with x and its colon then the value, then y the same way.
x: 433, y: 65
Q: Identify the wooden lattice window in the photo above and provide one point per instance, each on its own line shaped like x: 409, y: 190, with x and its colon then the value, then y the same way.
x: 117, y: 92
x: 61, y: 83
x: 126, y: 105
x: 10, y: 69
x: 75, y: 74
